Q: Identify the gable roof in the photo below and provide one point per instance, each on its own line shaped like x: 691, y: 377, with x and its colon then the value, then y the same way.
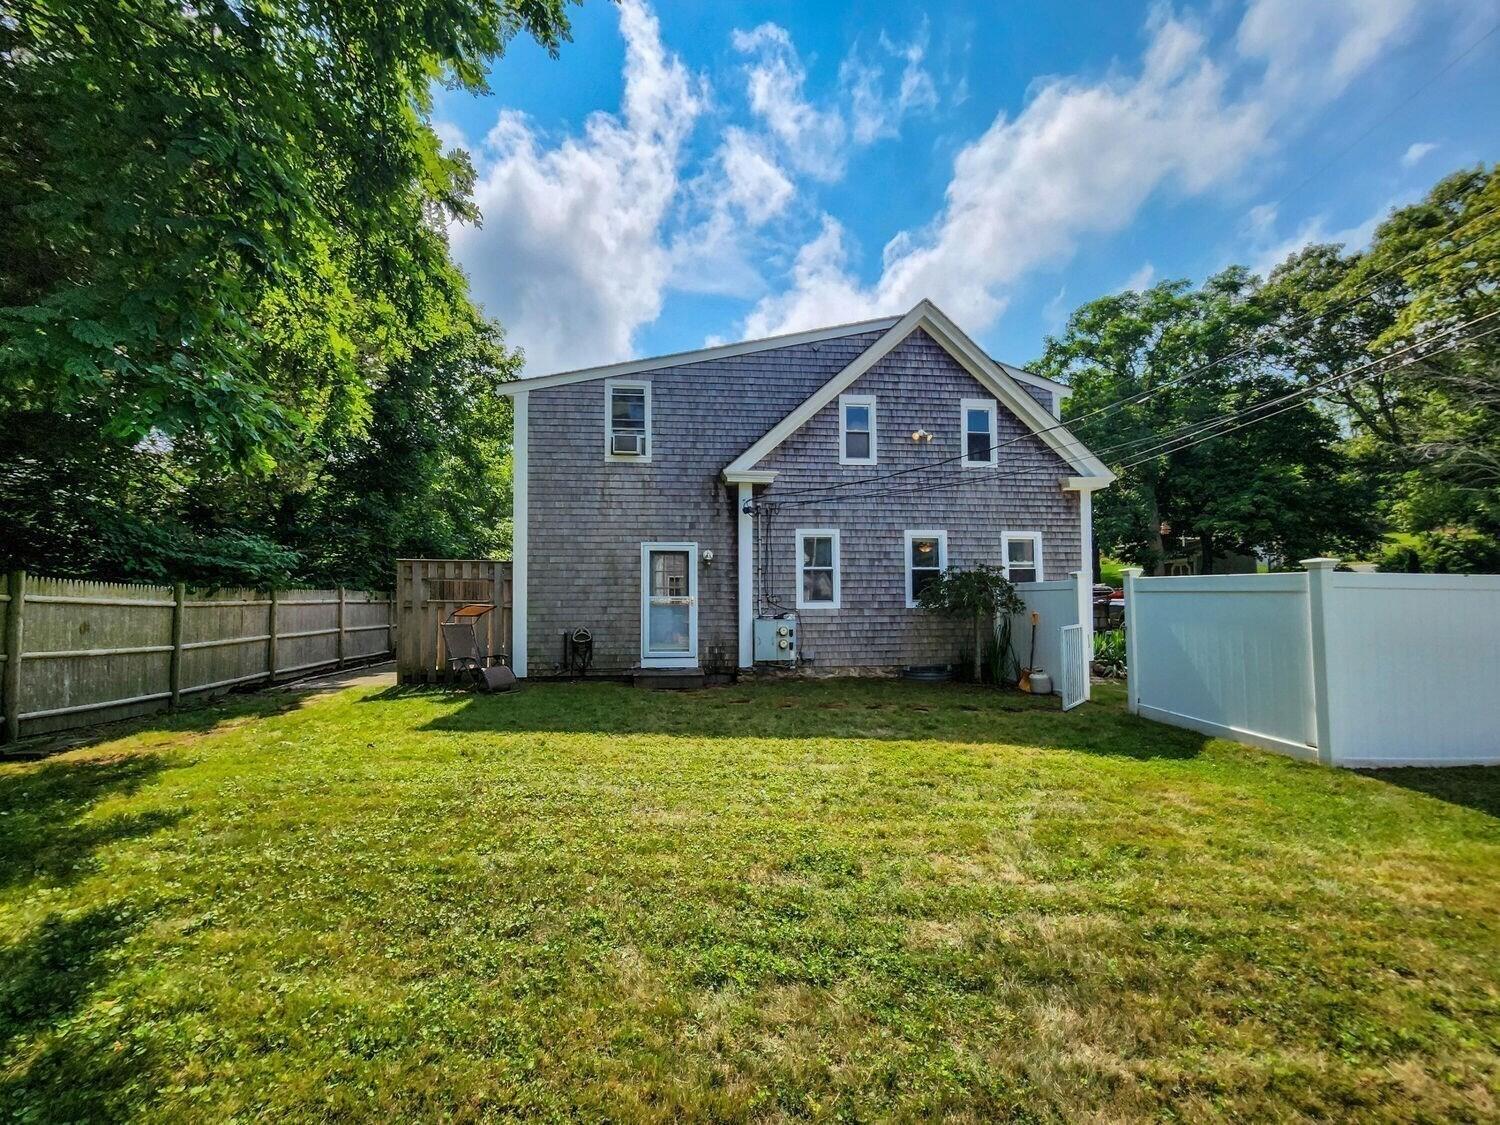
x: 677, y: 359
x: 995, y: 377
x: 743, y: 347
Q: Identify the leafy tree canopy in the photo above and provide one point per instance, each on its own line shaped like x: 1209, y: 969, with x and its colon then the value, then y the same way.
x: 225, y: 289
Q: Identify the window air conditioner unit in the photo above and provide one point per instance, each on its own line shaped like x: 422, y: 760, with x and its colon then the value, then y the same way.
x: 629, y: 443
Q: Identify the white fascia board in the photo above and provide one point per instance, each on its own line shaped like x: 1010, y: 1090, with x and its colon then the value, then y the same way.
x: 1088, y: 484
x: 1021, y: 375
x: 701, y: 355
x: 751, y: 476
x: 970, y: 356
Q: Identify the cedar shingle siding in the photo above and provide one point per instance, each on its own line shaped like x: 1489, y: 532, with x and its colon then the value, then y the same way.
x: 588, y: 517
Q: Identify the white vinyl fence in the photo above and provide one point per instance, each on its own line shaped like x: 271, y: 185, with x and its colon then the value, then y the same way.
x: 1062, y: 604
x: 1348, y: 669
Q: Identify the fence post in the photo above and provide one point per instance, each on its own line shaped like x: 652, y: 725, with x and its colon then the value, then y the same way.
x: 12, y: 680
x: 1319, y: 571
x: 339, y: 652
x: 271, y: 631
x: 174, y: 668
x: 1132, y: 646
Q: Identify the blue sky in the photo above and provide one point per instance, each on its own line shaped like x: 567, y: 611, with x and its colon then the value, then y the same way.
x: 690, y: 173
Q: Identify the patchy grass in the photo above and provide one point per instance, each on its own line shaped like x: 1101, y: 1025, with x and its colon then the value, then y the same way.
x: 824, y: 900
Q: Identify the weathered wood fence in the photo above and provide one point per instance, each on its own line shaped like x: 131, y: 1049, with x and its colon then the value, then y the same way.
x: 78, y: 651
x: 427, y: 590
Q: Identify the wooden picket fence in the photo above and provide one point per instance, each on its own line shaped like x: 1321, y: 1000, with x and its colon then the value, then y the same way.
x: 78, y: 651
x: 427, y: 590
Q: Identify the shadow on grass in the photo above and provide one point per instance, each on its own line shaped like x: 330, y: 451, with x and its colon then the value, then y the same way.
x: 44, y: 835
x: 46, y: 980
x: 193, y: 719
x: 50, y: 974
x: 1474, y: 787
x: 872, y: 710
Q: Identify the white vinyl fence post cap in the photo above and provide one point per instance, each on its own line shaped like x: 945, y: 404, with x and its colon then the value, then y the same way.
x: 1133, y: 571
x: 1320, y: 563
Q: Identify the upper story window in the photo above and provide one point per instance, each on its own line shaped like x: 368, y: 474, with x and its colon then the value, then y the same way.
x: 980, y: 436
x: 856, y: 429
x: 627, y: 420
x: 1023, y: 555
x: 926, y: 559
x: 818, y: 568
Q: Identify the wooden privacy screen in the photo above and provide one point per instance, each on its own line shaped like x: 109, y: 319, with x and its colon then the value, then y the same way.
x: 427, y: 590
x: 79, y: 652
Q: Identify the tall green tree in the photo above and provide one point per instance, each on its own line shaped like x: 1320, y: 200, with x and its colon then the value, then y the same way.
x: 221, y: 241
x: 1281, y: 487
x: 1427, y: 433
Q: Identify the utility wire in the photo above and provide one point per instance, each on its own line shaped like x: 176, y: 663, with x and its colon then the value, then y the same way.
x: 1151, y: 455
x: 1344, y: 150
x: 1149, y: 392
x: 1375, y: 367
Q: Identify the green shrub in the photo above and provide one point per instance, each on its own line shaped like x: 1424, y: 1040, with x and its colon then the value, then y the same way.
x: 1109, y: 651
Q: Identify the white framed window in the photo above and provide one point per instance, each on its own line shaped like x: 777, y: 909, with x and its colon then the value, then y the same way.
x: 926, y: 559
x: 627, y: 420
x: 818, y: 568
x: 1023, y: 555
x: 978, y: 425
x: 856, y: 429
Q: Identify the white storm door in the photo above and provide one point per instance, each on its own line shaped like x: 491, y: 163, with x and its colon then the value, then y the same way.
x: 669, y: 605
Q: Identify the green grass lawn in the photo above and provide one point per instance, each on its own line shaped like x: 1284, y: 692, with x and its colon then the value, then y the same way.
x: 828, y: 899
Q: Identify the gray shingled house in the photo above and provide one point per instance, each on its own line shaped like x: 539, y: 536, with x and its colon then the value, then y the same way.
x: 785, y: 498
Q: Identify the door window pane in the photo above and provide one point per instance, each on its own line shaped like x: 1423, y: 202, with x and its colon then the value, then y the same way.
x: 669, y: 574
x: 667, y: 629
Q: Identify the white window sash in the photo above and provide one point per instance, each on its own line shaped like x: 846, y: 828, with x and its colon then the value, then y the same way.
x: 942, y: 563
x: 610, y: 386
x: 831, y: 533
x: 989, y: 406
x: 1032, y: 537
x: 846, y: 401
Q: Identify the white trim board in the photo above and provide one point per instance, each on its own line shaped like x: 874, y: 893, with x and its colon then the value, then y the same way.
x: 520, y: 474
x: 991, y: 375
x: 700, y: 355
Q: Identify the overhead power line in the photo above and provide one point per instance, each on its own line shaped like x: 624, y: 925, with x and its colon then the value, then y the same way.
x: 1374, y: 368
x: 830, y: 490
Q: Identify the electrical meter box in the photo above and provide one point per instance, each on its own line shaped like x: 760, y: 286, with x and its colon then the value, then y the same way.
x: 776, y: 640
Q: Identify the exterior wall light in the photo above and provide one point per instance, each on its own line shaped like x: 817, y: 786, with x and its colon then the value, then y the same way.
x: 921, y: 435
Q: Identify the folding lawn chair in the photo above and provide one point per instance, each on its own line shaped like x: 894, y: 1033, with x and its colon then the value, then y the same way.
x: 468, y: 656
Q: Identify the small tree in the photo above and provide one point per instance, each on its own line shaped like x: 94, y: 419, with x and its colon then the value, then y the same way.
x: 980, y: 593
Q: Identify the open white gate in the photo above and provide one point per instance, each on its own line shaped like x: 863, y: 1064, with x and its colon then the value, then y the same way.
x: 1075, y: 667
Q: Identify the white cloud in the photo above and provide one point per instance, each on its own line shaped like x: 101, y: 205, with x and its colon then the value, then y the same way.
x: 742, y: 190
x: 571, y: 258
x: 812, y: 138
x: 1315, y: 50
x: 1082, y: 158
x: 1269, y: 251
x: 1415, y: 153
x: 1140, y: 279
x: 875, y: 112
